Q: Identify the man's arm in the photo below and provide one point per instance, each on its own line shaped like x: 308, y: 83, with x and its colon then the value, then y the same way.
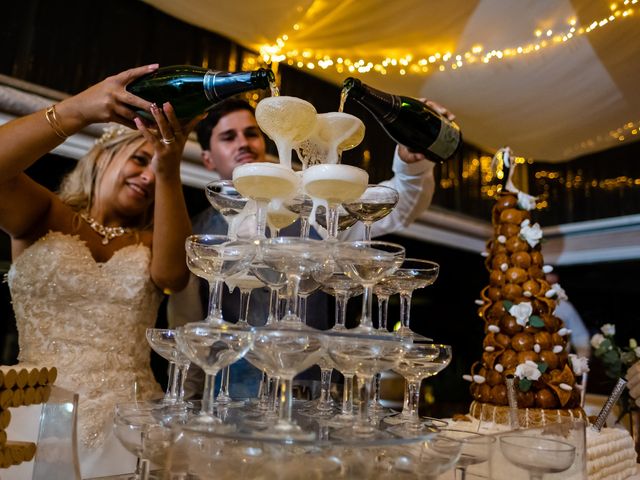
x: 415, y: 185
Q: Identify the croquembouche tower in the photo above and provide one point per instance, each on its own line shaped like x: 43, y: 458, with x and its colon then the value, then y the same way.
x: 523, y: 339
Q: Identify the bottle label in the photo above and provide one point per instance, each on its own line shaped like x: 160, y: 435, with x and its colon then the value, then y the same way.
x: 447, y: 140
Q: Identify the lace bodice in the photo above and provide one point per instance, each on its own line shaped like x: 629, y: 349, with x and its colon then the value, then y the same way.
x: 88, y: 319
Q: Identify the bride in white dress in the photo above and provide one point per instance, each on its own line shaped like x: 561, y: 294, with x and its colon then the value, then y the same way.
x: 90, y: 264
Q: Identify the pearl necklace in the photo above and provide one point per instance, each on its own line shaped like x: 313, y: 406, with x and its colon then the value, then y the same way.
x: 108, y: 233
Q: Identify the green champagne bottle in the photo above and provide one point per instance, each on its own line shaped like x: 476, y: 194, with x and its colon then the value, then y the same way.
x: 408, y: 121
x: 194, y: 90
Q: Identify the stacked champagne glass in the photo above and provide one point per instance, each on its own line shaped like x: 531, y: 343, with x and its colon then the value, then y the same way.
x: 323, y: 437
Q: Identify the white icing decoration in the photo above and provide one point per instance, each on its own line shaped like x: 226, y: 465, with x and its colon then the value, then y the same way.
x: 484, y: 254
x: 564, y: 331
x: 526, y: 201
x: 493, y: 328
x: 502, y: 239
x: 468, y: 378
x: 479, y: 379
x: 536, y: 348
x: 499, y: 368
x: 527, y: 294
x: 489, y: 348
x: 532, y: 234
x: 579, y: 365
x: 565, y: 387
x: 504, y: 267
x: 521, y: 311
x: 479, y: 302
x: 547, y: 269
x: 557, y: 348
x: 528, y: 370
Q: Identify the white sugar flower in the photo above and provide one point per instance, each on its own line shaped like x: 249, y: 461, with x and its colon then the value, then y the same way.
x: 608, y: 329
x: 558, y: 292
x: 596, y: 340
x: 532, y: 234
x: 528, y: 370
x: 526, y: 201
x: 579, y: 365
x: 522, y: 312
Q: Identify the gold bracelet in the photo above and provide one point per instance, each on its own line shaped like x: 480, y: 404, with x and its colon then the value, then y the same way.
x: 54, y: 123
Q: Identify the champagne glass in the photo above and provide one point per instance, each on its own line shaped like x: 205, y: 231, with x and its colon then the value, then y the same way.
x: 224, y: 197
x: 246, y: 283
x: 302, y: 205
x: 334, y: 184
x: 296, y: 258
x: 476, y: 448
x: 163, y: 342
x: 307, y: 286
x: 383, y: 290
x: 279, y: 216
x: 419, y: 360
x: 537, y: 455
x: 265, y: 182
x: 287, y: 121
x: 368, y: 262
x: 334, y: 133
x: 285, y: 352
x: 141, y: 434
x: 342, y: 287
x: 214, y: 257
x: 412, y: 275
x: 212, y: 347
x: 374, y: 204
x: 345, y: 219
x: 365, y: 354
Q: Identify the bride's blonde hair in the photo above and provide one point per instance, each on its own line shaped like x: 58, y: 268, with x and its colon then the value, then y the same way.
x: 78, y: 188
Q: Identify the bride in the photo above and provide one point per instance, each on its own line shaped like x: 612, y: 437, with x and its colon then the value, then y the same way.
x: 90, y: 264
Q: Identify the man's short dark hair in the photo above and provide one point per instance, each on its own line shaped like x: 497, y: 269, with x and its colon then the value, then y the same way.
x: 229, y: 105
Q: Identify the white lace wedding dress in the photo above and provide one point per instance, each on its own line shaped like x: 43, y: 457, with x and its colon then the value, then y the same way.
x: 88, y: 319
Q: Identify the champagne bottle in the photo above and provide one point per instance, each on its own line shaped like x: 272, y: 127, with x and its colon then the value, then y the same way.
x: 194, y: 90
x: 408, y: 121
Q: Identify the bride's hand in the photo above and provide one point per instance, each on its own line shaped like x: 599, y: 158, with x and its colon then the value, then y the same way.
x: 168, y: 140
x: 107, y: 101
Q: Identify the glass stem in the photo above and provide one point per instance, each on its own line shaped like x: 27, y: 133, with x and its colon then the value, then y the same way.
x: 286, y: 402
x: 414, y: 400
x: 305, y: 227
x: 406, y: 407
x: 245, y: 296
x: 324, y: 403
x: 347, y: 395
x: 293, y: 282
x: 341, y: 309
x: 302, y: 308
x: 208, y: 394
x: 215, y: 294
x: 273, y: 306
x: 263, y: 392
x: 170, y: 393
x: 362, y: 426
x: 261, y: 219
x: 223, y: 394
x: 367, y: 231
x: 405, y: 308
x: 383, y: 308
x: 332, y: 221
x: 273, y: 394
x: 181, y: 377
x: 376, y: 390
x: 367, y: 304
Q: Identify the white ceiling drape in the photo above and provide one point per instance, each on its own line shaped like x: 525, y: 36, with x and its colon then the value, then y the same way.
x: 562, y: 101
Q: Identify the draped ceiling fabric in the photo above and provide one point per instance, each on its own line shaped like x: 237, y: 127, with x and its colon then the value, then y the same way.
x: 554, y: 104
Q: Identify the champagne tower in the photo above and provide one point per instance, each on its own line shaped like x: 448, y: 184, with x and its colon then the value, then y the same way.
x: 523, y: 338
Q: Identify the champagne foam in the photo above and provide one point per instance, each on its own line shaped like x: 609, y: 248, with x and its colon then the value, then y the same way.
x: 264, y: 180
x: 287, y: 121
x: 335, y: 182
